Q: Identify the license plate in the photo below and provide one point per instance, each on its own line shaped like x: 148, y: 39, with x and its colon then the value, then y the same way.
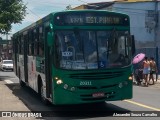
x: 97, y: 94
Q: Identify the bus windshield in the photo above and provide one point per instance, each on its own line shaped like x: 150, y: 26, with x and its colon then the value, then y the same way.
x: 92, y: 49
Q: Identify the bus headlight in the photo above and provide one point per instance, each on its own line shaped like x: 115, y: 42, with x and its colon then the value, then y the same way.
x: 59, y: 82
x: 130, y: 78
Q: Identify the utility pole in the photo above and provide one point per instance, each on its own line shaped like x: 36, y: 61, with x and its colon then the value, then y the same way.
x: 7, y: 51
x: 156, y: 22
x: 155, y: 33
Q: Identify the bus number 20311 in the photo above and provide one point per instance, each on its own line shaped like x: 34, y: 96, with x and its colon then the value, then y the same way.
x: 85, y: 83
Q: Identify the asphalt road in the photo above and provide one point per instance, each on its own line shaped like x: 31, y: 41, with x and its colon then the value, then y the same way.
x: 144, y: 99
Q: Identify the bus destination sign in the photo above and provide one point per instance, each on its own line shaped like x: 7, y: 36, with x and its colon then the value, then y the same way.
x: 91, y: 19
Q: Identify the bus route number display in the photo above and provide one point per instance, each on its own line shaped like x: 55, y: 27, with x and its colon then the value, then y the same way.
x: 94, y: 20
x: 91, y: 20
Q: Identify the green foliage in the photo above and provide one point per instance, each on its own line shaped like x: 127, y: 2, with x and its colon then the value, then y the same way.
x: 11, y: 12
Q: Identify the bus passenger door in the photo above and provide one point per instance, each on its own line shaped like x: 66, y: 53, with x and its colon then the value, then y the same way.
x: 48, y: 66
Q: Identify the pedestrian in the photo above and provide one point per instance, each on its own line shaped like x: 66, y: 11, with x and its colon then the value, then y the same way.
x: 153, y: 69
x: 146, y: 67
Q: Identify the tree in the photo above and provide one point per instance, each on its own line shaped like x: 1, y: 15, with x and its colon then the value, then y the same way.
x: 11, y: 12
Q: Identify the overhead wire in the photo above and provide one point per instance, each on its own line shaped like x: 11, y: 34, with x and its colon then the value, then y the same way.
x: 33, y: 13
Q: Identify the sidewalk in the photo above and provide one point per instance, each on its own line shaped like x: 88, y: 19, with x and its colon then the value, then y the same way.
x: 8, y: 101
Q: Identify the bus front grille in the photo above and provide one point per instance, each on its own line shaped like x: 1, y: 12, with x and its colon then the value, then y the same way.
x: 96, y: 76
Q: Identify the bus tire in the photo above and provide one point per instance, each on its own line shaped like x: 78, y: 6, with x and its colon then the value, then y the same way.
x: 43, y: 99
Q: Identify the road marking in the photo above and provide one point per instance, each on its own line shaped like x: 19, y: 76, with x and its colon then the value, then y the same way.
x: 142, y: 105
x: 8, y: 81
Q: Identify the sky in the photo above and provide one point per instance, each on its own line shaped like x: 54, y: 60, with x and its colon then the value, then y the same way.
x: 37, y: 9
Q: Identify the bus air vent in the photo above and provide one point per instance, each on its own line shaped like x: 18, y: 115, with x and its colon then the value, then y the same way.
x: 96, y: 76
x: 86, y: 88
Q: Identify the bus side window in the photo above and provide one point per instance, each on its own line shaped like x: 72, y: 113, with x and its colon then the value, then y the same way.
x: 19, y: 45
x: 30, y: 50
x: 41, y: 49
x: 41, y: 43
x: 31, y: 43
x: 35, y: 43
x: 22, y: 44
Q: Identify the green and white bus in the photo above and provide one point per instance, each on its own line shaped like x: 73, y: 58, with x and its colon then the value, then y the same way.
x: 75, y: 57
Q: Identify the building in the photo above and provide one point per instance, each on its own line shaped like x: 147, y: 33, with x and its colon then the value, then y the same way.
x: 5, y: 49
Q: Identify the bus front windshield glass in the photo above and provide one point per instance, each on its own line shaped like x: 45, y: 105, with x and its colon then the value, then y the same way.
x: 92, y: 49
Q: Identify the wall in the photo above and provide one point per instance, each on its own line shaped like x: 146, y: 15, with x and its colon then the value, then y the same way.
x: 142, y: 21
x: 5, y: 49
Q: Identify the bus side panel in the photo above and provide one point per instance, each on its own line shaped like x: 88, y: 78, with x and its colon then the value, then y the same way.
x: 32, y: 74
